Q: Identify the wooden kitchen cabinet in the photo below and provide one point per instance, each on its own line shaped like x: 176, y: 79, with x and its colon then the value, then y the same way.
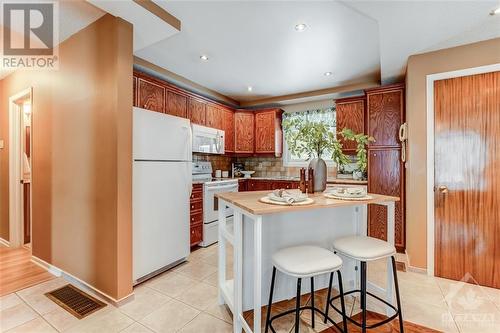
x: 196, y: 214
x: 214, y: 117
x: 228, y: 127
x: 150, y: 95
x: 134, y: 91
x: 267, y: 184
x: 385, y: 177
x: 350, y: 114
x: 385, y: 115
x: 176, y: 104
x: 197, y: 111
x: 244, y: 132
x: 268, y: 132
x: 386, y: 174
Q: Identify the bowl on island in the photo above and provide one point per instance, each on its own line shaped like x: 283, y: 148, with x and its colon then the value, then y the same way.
x: 247, y: 174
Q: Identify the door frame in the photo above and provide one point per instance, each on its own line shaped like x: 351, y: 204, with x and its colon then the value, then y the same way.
x: 430, y: 149
x: 15, y: 155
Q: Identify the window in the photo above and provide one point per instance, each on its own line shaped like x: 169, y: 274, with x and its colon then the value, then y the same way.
x: 327, y: 115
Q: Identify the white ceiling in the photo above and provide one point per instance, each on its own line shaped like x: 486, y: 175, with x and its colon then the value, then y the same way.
x: 255, y: 44
x: 412, y: 27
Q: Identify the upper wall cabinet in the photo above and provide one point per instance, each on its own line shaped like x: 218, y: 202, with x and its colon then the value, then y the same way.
x: 228, y: 127
x: 150, y: 95
x: 268, y: 132
x: 244, y: 132
x: 176, y: 104
x: 197, y: 111
x: 386, y: 111
x: 214, y: 117
x: 350, y: 114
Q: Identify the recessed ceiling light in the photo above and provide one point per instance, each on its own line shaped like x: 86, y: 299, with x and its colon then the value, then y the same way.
x: 495, y: 11
x: 204, y: 57
x: 250, y: 88
x: 300, y: 27
x: 327, y: 73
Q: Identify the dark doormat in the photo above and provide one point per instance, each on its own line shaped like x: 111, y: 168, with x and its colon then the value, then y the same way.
x: 75, y: 301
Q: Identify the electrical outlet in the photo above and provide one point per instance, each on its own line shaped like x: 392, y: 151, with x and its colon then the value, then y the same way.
x: 1, y: 144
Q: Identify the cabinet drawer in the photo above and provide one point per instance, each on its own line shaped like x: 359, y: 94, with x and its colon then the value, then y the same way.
x: 196, y: 234
x: 196, y: 217
x: 196, y: 205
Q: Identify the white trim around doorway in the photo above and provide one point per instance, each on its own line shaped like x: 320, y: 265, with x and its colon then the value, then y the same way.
x: 430, y: 148
x: 15, y: 193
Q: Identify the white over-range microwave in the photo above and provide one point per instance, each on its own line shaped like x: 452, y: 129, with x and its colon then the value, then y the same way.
x: 207, y: 140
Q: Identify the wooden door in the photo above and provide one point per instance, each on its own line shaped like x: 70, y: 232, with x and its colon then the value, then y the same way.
x: 385, y: 177
x: 228, y: 124
x: 466, y: 162
x: 350, y: 114
x: 134, y: 91
x: 197, y: 111
x: 151, y: 96
x: 176, y: 104
x: 214, y: 117
x: 265, y: 132
x: 385, y: 116
x: 244, y: 132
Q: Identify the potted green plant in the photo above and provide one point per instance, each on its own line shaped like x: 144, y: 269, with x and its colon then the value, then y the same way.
x: 314, y: 139
x: 362, y: 140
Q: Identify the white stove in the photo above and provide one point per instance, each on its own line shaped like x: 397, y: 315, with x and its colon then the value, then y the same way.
x: 202, y: 172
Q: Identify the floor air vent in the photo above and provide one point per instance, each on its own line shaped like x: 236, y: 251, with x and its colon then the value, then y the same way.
x: 75, y: 301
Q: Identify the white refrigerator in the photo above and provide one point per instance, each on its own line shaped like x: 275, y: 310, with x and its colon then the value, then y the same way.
x: 161, y: 189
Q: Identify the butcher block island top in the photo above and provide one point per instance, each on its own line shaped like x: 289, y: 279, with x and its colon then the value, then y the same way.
x: 249, y: 201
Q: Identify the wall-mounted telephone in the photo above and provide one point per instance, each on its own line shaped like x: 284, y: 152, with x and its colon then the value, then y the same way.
x: 403, y: 137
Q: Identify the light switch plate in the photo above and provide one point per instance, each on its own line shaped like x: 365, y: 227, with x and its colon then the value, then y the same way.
x: 1, y: 144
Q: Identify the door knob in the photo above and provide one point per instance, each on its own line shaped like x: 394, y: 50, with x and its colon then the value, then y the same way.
x: 443, y: 189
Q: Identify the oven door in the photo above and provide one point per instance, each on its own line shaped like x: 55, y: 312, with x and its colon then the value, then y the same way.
x: 211, y: 203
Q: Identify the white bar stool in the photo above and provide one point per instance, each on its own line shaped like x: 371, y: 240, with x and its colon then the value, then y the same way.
x: 364, y: 249
x: 305, y: 262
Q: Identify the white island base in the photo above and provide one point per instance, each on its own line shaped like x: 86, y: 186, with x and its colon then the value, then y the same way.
x: 261, y: 229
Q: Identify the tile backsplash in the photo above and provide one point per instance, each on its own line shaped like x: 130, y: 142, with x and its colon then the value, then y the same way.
x: 263, y: 166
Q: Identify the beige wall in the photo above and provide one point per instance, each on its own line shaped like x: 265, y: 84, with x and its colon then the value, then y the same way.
x: 419, y: 66
x: 82, y: 152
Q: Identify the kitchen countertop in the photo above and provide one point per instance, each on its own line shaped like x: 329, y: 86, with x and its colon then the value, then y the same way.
x: 249, y: 201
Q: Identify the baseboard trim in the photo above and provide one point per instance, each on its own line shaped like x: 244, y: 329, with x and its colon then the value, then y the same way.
x: 80, y: 283
x: 417, y: 270
x: 4, y: 242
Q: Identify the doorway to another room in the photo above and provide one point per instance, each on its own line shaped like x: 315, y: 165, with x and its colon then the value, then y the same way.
x: 17, y: 271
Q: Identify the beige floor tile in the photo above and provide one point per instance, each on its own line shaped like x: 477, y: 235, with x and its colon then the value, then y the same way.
x: 170, y: 317
x: 281, y: 325
x: 16, y: 315
x: 212, y: 279
x: 61, y: 319
x: 172, y: 284
x: 35, y: 296
x: 145, y: 301
x: 110, y: 320
x: 220, y: 311
x: 197, y: 270
x: 137, y: 328
x: 199, y: 296
x: 431, y: 316
x: 421, y: 292
x: 10, y: 300
x: 37, y: 325
x: 478, y: 323
x: 205, y: 323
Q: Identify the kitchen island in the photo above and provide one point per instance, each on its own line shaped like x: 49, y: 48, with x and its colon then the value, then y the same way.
x: 260, y: 229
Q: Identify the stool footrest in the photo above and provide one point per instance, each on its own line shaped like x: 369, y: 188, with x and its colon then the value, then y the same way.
x: 380, y: 323
x: 305, y: 307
